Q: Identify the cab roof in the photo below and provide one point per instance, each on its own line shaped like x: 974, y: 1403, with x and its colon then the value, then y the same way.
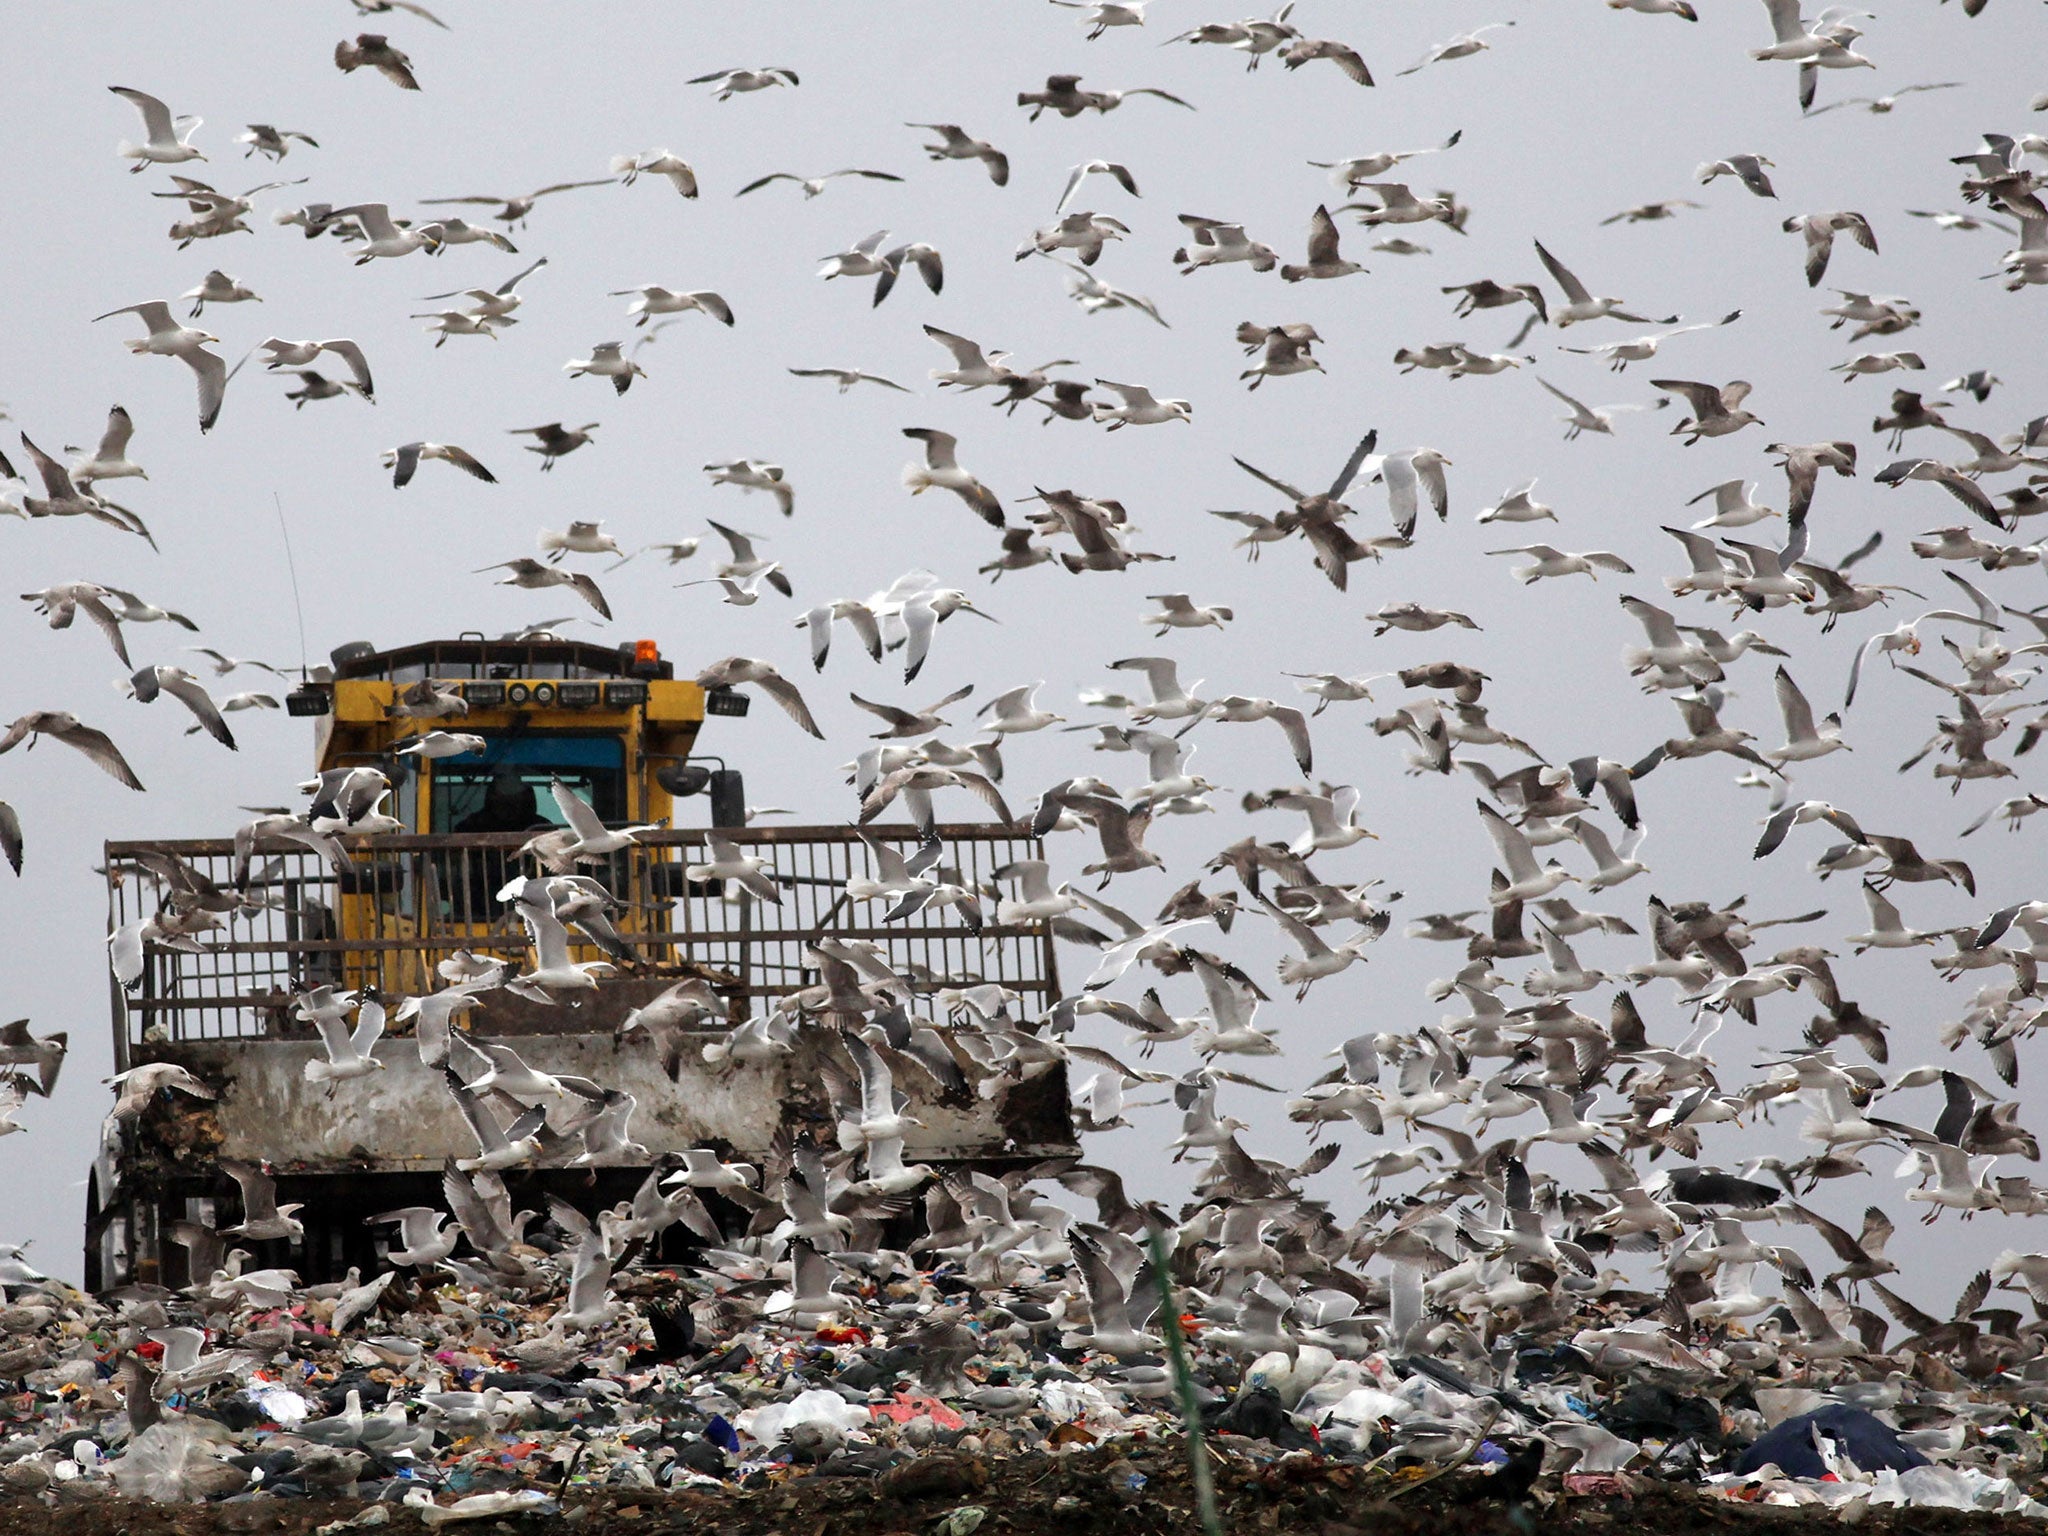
x: 474, y: 658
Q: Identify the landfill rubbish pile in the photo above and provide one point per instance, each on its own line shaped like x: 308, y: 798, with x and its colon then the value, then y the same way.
x: 933, y: 1386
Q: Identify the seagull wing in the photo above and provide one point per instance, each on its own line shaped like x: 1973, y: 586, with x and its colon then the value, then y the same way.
x: 156, y: 117
x: 1295, y: 725
x: 1349, y: 472
x: 1574, y: 290
x: 195, y: 698
x: 784, y: 693
x: 1514, y: 847
x: 358, y: 364
x: 577, y: 811
x: 94, y: 744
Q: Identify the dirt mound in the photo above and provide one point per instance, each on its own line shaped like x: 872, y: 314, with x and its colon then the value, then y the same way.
x: 957, y: 1494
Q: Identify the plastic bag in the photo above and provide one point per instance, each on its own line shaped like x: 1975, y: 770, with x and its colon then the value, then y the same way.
x: 770, y: 1425
x: 160, y: 1461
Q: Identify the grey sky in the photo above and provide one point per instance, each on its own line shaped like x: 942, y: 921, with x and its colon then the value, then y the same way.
x: 1574, y: 114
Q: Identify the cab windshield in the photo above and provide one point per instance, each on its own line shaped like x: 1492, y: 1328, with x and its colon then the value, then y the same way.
x: 504, y: 788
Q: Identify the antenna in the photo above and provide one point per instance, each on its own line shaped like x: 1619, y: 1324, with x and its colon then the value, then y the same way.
x: 292, y: 569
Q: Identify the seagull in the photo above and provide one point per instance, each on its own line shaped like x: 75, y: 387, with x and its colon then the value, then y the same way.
x: 589, y: 840
x: 942, y: 469
x: 1807, y: 43
x: 1417, y: 619
x: 462, y: 232
x: 1584, y: 417
x: 1734, y: 506
x: 65, y: 601
x: 1620, y: 354
x: 607, y: 360
x: 656, y: 300
x: 1678, y: 8
x: 745, y: 564
x: 735, y: 670
x: 404, y: 461
x: 867, y: 259
x: 167, y: 338
x: 972, y: 369
x: 1178, y: 611
x: 1463, y: 46
x: 1716, y: 409
x: 1820, y: 230
x: 1063, y: 94
x: 218, y: 288
x: 374, y: 50
x: 273, y: 143
x: 1398, y: 205
x: 1013, y: 713
x: 1747, y: 169
x: 1237, y: 708
x: 1332, y: 820
x: 955, y: 143
x: 1169, y: 700
x: 186, y: 689
x: 1347, y: 59
x: 1286, y: 350
x: 580, y: 538
x: 1092, y: 294
x: 1216, y: 242
x: 1104, y: 14
x: 1644, y: 213
x: 732, y: 82
x: 263, y: 1219
x: 812, y: 185
x: 1803, y: 740
x: 19, y: 1048
x: 846, y: 378
x: 1950, y: 479
x: 1407, y: 475
x: 1877, y: 362
x: 382, y: 237
x: 1547, y: 561
x: 656, y: 162
x: 457, y: 322
x: 317, y: 386
x: 1802, y: 463
x: 1139, y: 407
x: 1527, y: 881
x: 513, y: 210
x: 1879, y: 105
x: 554, y: 440
x: 1324, y: 261
x: 1111, y: 168
x: 1346, y: 174
x: 435, y: 745
x: 755, y: 475
x: 493, y: 303
x: 63, y: 726
x: 109, y: 461
x: 300, y: 354
x: 1086, y: 234
x: 532, y: 574
x: 1579, y: 304
x: 166, y: 142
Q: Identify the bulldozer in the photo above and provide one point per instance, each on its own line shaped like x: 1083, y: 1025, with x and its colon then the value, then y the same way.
x: 618, y: 729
